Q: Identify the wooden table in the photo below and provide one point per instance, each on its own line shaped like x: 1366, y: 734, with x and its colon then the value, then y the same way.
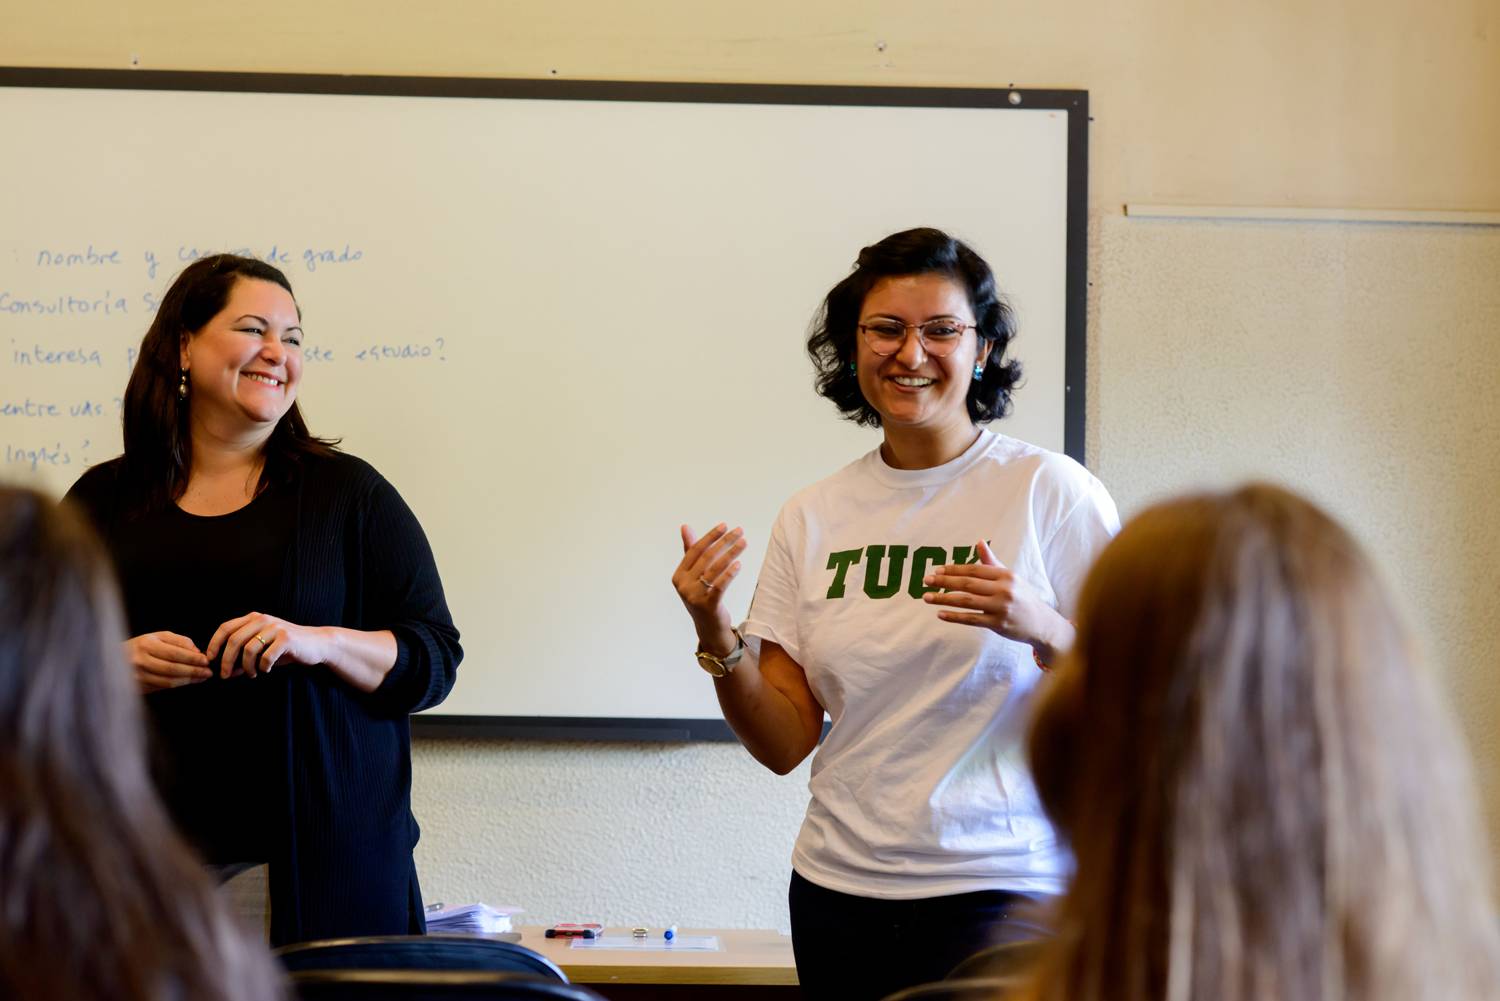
x: 750, y: 964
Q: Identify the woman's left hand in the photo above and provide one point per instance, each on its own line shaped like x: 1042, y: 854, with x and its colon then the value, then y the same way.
x: 994, y: 597
x: 257, y: 642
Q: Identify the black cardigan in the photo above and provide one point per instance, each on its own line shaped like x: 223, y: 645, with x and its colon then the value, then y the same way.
x: 336, y: 761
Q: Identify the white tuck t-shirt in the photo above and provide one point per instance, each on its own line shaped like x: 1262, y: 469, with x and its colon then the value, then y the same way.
x: 921, y: 787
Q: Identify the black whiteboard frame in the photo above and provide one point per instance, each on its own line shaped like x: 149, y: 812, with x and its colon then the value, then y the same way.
x: 1075, y: 103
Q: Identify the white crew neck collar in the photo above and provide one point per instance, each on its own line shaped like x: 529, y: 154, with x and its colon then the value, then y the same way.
x: 933, y: 475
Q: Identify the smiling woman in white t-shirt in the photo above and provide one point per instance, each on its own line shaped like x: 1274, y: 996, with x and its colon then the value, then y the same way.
x: 913, y: 596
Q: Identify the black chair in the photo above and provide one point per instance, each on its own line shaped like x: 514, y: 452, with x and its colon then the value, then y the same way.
x: 1008, y: 959
x: 418, y: 953
x: 433, y: 985
x: 970, y: 989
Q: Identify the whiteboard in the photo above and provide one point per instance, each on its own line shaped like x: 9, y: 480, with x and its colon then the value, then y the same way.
x: 561, y: 318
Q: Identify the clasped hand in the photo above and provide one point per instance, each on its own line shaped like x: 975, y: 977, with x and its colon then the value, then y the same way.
x: 989, y: 594
x: 250, y: 644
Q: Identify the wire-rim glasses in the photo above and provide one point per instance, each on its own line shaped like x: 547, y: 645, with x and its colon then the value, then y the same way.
x: 938, y: 337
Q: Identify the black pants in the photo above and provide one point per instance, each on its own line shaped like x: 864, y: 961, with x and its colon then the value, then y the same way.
x: 852, y: 948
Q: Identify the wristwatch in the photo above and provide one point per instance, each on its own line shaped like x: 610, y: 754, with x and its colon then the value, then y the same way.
x: 720, y: 667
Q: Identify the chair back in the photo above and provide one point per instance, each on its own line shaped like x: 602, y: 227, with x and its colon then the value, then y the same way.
x: 418, y: 952
x: 433, y: 985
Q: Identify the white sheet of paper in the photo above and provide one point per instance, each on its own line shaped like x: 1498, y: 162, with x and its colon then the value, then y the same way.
x: 682, y: 943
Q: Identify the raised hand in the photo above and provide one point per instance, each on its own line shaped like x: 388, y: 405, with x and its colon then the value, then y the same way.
x: 989, y: 594
x: 708, y: 566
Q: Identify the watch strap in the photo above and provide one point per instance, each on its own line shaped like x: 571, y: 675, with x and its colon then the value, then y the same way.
x: 720, y: 667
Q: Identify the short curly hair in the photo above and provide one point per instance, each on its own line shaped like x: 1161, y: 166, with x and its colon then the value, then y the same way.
x: 831, y: 344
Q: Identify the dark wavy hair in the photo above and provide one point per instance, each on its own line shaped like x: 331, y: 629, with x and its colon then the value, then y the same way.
x: 99, y: 896
x: 158, y: 442
x: 831, y: 345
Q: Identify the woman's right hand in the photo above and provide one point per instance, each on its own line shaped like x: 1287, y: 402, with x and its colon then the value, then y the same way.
x: 165, y: 660
x: 708, y: 566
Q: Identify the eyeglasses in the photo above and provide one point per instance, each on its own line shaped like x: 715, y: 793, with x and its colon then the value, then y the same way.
x: 937, y: 337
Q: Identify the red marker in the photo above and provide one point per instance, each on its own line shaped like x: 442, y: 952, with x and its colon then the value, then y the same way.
x: 575, y: 931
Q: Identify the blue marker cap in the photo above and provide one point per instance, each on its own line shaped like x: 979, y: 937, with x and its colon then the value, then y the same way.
x: 670, y: 933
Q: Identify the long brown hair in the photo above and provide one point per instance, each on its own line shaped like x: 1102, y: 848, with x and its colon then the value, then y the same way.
x: 99, y: 898
x: 158, y: 440
x: 1266, y: 800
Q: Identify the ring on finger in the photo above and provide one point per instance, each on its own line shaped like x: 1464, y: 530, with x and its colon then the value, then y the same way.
x: 262, y: 641
x: 706, y: 583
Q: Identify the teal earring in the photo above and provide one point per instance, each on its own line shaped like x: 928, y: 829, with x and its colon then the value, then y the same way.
x: 852, y: 368
x: 978, y: 370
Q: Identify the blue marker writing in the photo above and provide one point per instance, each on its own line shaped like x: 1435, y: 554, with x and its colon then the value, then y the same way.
x: 670, y: 933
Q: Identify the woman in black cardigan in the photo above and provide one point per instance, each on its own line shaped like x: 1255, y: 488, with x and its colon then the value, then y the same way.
x: 285, y: 611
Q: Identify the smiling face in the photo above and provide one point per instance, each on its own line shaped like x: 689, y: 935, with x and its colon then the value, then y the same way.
x: 910, y: 389
x: 245, y: 364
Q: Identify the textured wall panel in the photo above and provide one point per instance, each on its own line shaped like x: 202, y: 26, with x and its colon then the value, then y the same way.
x: 653, y: 834
x: 1357, y: 363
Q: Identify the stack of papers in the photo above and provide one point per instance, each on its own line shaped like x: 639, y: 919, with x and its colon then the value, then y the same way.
x: 473, y: 919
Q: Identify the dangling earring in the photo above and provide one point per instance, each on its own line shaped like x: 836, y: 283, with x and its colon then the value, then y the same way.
x: 182, y: 387
x: 853, y: 369
x: 978, y: 371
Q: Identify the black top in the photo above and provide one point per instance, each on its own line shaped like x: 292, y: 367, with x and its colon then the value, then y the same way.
x: 295, y: 768
x: 190, y: 574
x: 243, y: 554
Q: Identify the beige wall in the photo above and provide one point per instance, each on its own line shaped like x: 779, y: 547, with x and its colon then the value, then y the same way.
x: 1357, y: 363
x: 1366, y: 103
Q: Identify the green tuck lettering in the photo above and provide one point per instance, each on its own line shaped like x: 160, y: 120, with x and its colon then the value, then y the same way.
x: 892, y: 584
x: 964, y: 554
x: 923, y: 558
x: 840, y: 563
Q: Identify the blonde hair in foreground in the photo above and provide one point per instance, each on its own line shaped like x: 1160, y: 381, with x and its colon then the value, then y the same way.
x: 100, y: 900
x: 1266, y: 800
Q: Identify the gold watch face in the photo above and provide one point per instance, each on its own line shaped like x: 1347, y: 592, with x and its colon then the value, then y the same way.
x: 711, y: 664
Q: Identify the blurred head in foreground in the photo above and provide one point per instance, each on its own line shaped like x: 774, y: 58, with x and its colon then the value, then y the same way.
x: 98, y: 896
x: 1265, y: 797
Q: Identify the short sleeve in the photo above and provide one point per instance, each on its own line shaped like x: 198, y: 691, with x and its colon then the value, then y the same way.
x: 1077, y: 540
x: 773, y: 609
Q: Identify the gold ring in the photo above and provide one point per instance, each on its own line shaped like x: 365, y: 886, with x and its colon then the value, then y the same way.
x: 261, y: 640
